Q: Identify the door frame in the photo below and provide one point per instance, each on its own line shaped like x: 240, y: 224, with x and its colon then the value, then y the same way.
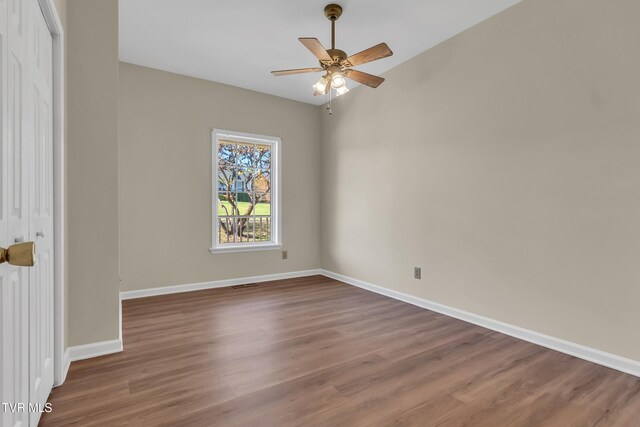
x: 60, y: 354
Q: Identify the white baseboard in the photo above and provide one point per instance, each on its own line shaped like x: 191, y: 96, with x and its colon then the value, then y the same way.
x: 120, y: 319
x: 609, y: 360
x: 87, y: 351
x: 166, y: 290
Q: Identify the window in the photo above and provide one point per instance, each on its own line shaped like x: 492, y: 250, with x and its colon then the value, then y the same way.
x: 246, y: 214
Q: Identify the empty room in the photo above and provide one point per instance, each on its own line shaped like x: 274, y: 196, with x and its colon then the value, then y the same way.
x: 316, y: 213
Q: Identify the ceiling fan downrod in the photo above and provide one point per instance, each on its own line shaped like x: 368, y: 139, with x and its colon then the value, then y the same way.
x: 333, y: 12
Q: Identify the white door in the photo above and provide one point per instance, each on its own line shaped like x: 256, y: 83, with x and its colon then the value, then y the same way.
x: 26, y: 294
x: 14, y: 280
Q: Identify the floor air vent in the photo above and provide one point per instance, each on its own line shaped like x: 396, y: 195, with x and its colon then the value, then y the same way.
x: 248, y: 285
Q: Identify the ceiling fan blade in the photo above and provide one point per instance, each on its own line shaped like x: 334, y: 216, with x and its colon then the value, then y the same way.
x: 374, y: 53
x: 296, y: 71
x: 316, y: 48
x: 364, y: 78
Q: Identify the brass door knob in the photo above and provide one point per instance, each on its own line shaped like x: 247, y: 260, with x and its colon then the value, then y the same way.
x: 22, y: 254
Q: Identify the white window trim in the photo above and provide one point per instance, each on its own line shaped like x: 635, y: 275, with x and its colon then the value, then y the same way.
x: 276, y: 197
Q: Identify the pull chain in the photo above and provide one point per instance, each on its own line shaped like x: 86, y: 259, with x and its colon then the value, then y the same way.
x: 329, y: 106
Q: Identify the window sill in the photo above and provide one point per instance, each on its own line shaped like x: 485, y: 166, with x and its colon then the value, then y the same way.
x: 246, y: 248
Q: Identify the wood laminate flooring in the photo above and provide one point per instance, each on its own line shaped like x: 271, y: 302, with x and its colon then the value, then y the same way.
x: 317, y: 352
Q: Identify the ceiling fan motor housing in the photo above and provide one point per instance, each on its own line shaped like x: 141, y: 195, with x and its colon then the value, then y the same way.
x: 337, y: 55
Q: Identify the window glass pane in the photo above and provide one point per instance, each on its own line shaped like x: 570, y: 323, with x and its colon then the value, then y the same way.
x: 245, y: 156
x: 263, y: 204
x: 262, y: 181
x: 262, y: 228
x: 226, y: 179
x: 220, y: 231
x: 245, y: 203
x: 227, y: 230
x: 245, y: 229
x: 225, y: 208
x: 262, y: 156
x: 227, y: 153
x: 244, y: 179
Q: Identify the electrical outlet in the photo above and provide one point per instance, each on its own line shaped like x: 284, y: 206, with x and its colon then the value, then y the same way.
x: 285, y: 255
x: 417, y: 273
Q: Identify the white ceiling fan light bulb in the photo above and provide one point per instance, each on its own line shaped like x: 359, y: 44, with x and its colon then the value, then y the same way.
x: 337, y: 80
x: 342, y: 90
x: 321, y: 85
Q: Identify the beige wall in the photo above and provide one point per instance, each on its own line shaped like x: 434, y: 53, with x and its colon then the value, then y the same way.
x: 504, y: 162
x: 165, y: 178
x: 92, y: 167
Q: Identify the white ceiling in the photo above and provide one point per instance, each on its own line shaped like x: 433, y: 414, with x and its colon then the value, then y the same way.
x: 238, y: 42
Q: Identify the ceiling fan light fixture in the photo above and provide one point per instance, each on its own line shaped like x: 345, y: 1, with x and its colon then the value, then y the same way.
x: 321, y: 85
x: 342, y: 90
x: 337, y: 80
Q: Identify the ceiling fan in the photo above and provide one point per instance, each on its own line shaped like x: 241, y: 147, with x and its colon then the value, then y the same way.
x: 335, y: 62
